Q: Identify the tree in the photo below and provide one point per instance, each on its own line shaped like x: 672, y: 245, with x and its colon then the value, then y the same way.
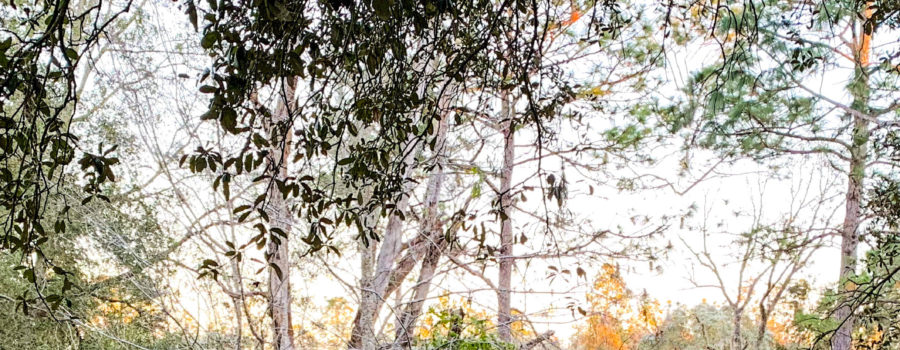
x: 370, y: 90
x: 765, y: 259
x: 747, y: 102
x: 411, y: 154
x: 277, y: 250
x: 40, y: 51
x: 875, y: 289
x: 616, y: 318
x: 435, y: 240
x: 61, y: 293
x: 703, y: 326
x: 375, y: 84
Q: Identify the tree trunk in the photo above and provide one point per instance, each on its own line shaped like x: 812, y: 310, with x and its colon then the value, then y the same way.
x: 278, y: 252
x: 375, y: 289
x: 237, y: 301
x: 413, y: 309
x: 859, y: 89
x: 435, y: 242
x: 416, y: 251
x: 504, y: 316
x: 761, y: 332
x: 736, y: 340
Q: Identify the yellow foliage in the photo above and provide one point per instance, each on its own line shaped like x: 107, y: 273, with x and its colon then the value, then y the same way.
x: 431, y: 325
x: 474, y: 322
x: 599, y: 91
x: 872, y: 340
x: 337, y: 318
x: 118, y: 309
x: 519, y: 328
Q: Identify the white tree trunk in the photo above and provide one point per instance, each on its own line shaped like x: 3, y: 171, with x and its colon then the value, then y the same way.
x: 374, y: 290
x: 504, y: 316
x: 434, y: 242
x: 278, y: 252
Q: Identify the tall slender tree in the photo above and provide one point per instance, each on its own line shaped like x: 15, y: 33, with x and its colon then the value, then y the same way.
x: 277, y: 250
x: 758, y: 97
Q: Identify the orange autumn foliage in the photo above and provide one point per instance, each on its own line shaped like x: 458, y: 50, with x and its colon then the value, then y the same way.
x: 616, y: 319
x: 572, y: 18
x: 783, y: 328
